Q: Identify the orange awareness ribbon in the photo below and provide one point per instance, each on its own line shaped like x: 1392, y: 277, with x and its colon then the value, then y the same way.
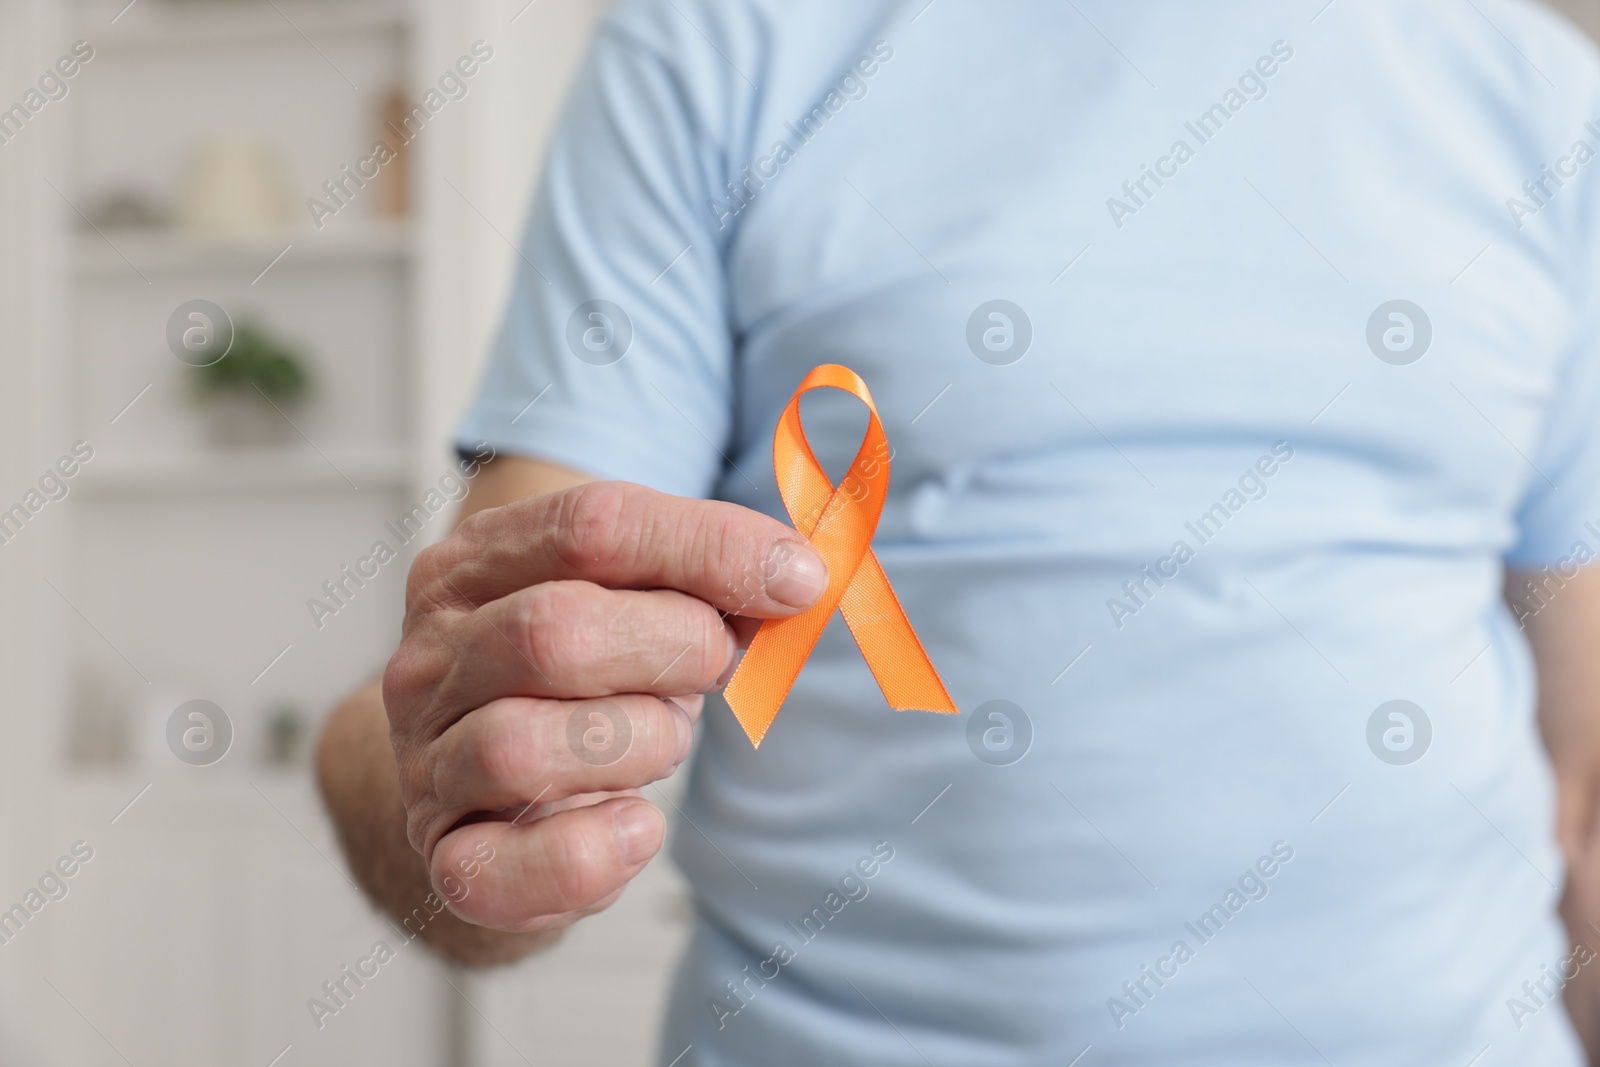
x: 839, y: 523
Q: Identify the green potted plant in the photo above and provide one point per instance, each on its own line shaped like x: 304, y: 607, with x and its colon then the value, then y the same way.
x: 286, y: 727
x: 249, y: 393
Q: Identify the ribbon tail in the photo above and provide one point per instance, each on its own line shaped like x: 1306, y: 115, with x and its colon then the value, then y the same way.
x: 898, y: 662
x: 763, y: 678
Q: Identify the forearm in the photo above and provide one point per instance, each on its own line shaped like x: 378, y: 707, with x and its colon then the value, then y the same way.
x: 1577, y: 805
x: 361, y: 788
x: 1562, y: 623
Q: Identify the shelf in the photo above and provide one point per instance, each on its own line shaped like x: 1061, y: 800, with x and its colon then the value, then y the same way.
x: 115, y: 784
x: 248, y: 470
x: 164, y: 799
x: 354, y: 242
x: 161, y: 26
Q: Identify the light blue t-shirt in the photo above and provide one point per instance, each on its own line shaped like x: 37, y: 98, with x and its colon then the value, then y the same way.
x: 1227, y: 352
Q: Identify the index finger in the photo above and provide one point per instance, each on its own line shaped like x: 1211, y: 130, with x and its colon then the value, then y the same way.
x: 625, y: 536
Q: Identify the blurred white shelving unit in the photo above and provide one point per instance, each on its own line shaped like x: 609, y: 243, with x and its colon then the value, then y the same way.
x: 251, y: 471
x: 217, y: 904
x: 179, y: 27
x: 114, y: 252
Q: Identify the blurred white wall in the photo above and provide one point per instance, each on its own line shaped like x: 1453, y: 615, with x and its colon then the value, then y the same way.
x: 492, y: 156
x: 30, y: 263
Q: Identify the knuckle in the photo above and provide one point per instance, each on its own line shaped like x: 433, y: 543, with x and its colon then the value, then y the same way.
x: 471, y: 527
x: 434, y: 582
x: 402, y: 675
x: 411, y: 683
x: 706, y: 539
x: 503, y: 754
x: 419, y: 829
x: 726, y: 544
x: 551, y: 621
x: 406, y: 678
x: 442, y: 871
x: 661, y: 742
x: 578, y: 867
x: 726, y: 537
x: 427, y: 572
x: 427, y: 564
x: 590, y: 525
x: 455, y: 855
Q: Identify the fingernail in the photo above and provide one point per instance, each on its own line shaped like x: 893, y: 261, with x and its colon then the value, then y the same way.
x: 636, y: 826
x: 801, y: 575
x: 684, y: 727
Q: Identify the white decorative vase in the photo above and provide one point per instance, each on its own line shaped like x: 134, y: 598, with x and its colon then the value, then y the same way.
x: 234, y: 189
x: 239, y: 419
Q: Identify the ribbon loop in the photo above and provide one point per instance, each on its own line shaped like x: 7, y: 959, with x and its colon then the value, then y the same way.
x: 839, y: 522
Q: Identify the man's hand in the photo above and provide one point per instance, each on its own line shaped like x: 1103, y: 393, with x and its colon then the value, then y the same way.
x: 606, y: 598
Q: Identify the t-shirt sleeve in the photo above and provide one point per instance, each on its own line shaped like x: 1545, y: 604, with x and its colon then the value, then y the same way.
x: 1563, y: 492
x: 615, y: 356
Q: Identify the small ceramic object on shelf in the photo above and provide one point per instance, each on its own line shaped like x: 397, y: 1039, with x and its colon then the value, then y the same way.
x: 126, y: 209
x: 98, y: 729
x: 234, y: 189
